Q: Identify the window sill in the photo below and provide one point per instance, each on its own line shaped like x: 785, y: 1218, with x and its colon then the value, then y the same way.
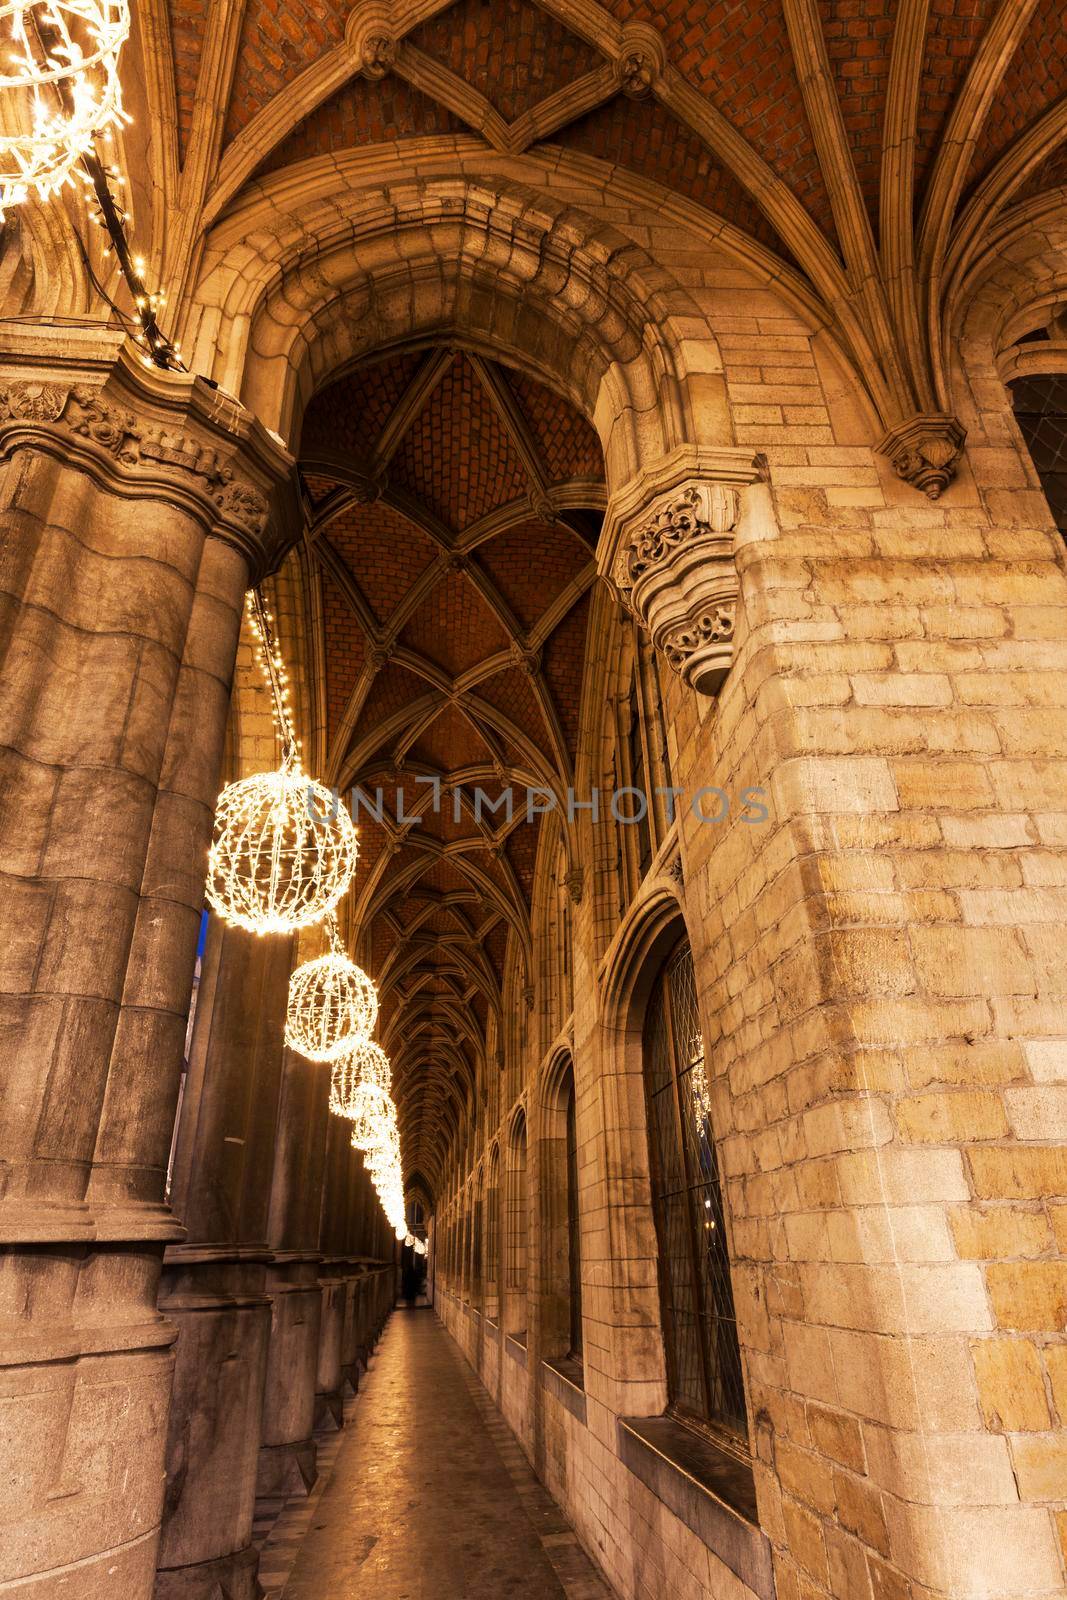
x: 706, y: 1488
x: 516, y: 1347
x: 566, y: 1380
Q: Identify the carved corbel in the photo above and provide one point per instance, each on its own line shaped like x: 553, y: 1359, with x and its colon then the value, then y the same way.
x: 925, y: 451
x: 674, y: 562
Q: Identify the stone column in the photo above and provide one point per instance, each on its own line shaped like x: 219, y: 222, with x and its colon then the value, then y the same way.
x: 287, y: 1452
x: 333, y: 1273
x: 134, y: 504
x: 213, y: 1285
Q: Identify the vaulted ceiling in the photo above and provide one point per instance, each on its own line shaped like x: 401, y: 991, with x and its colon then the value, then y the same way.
x: 863, y: 152
x: 453, y: 510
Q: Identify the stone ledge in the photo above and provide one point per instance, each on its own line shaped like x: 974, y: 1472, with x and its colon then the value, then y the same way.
x: 565, y: 1379
x: 707, y: 1488
x: 516, y: 1348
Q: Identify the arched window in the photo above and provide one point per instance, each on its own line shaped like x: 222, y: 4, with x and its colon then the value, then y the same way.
x: 700, y: 1328
x: 492, y: 1237
x: 561, y: 1277
x: 517, y: 1223
x: 574, y: 1236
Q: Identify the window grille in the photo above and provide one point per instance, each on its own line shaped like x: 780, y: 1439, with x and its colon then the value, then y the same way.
x: 516, y: 1229
x: 574, y: 1237
x: 700, y: 1327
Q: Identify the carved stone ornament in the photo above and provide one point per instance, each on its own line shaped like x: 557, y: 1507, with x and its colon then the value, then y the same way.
x: 676, y: 571
x: 79, y: 410
x: 637, y: 73
x: 575, y: 884
x: 925, y: 451
x: 379, y: 56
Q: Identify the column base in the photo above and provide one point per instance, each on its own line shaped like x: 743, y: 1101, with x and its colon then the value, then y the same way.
x: 286, y: 1469
x: 234, y: 1577
x: 330, y: 1409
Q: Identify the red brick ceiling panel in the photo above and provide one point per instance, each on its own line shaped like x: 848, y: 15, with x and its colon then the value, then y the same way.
x: 737, y: 53
x: 859, y: 36
x: 318, y: 487
x: 372, y: 841
x: 449, y: 742
x: 406, y: 908
x: 187, y: 22
x: 344, y: 651
x: 563, y: 658
x: 953, y: 32
x: 441, y: 921
x: 279, y: 38
x: 643, y: 137
x: 350, y: 414
x: 457, y: 458
x: 480, y: 1006
x: 521, y: 851
x: 454, y: 626
x: 392, y: 688
x: 363, y: 113
x: 530, y: 564
x: 1036, y: 76
x: 568, y: 444
x: 383, y: 551
x: 441, y: 824
x: 511, y: 52
x: 511, y: 693
x: 445, y: 878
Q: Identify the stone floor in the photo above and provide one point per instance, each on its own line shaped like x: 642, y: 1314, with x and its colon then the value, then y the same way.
x: 425, y: 1495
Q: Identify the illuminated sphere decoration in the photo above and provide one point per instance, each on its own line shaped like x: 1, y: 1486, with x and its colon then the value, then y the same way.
x: 373, y: 1118
x: 333, y: 1007
x: 366, y: 1063
x: 59, y: 86
x: 283, y: 852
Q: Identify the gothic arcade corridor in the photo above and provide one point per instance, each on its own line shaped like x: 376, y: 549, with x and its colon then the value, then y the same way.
x: 429, y: 1494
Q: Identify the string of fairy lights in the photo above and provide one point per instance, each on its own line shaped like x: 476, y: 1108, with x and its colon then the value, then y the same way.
x: 62, y: 106
x: 283, y: 855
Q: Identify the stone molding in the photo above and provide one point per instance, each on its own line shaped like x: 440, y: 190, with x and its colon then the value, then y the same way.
x: 925, y: 451
x: 156, y: 435
x: 671, y: 550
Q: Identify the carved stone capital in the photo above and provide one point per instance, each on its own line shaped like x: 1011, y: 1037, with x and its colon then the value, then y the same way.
x: 925, y: 451
x: 673, y: 558
x: 158, y: 435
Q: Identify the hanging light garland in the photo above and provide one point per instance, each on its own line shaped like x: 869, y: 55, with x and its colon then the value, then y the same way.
x: 60, y: 87
x: 365, y: 1063
x: 333, y: 1005
x: 284, y: 849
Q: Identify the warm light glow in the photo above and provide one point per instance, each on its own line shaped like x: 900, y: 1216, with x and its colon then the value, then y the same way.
x: 333, y: 1005
x: 59, y: 86
x: 283, y: 852
x: 367, y: 1063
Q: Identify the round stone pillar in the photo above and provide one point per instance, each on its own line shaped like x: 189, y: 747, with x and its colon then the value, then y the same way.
x: 213, y: 1285
x: 287, y: 1451
x: 134, y: 505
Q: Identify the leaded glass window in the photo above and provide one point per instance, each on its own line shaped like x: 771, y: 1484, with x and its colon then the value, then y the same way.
x: 700, y: 1328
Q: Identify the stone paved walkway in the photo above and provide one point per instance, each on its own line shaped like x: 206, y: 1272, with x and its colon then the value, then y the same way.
x: 429, y: 1496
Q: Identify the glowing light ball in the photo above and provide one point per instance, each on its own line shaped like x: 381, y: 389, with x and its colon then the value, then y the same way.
x: 283, y: 853
x: 59, y: 87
